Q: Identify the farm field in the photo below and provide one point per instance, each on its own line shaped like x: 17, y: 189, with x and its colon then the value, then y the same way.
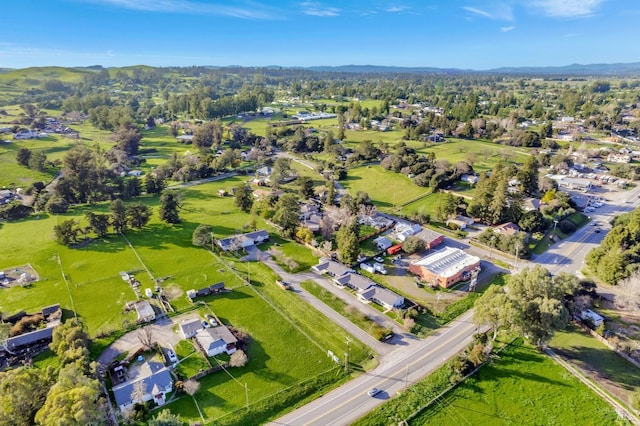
x: 521, y: 387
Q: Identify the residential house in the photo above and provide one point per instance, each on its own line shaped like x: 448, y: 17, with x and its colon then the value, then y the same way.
x: 404, y: 230
x: 331, y: 268
x: 381, y: 296
x: 356, y: 282
x: 239, y: 241
x: 264, y: 171
x: 461, y: 221
x: 508, y: 228
x: 145, y: 311
x: 383, y: 243
x: 446, y: 267
x: 530, y: 204
x: 619, y: 158
x: 431, y: 238
x: 156, y: 382
x: 189, y: 328
x: 216, y: 340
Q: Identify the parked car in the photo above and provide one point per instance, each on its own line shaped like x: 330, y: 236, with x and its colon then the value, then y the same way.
x: 206, y: 324
x: 212, y: 320
x: 378, y: 259
x: 171, y: 356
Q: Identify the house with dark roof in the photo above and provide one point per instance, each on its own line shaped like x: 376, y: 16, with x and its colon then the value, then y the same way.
x: 155, y: 379
x: 331, y: 268
x: 41, y: 336
x: 216, y: 340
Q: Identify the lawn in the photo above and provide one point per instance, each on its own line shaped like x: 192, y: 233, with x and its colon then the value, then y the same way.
x: 290, y: 255
x: 385, y: 188
x: 521, y: 386
x: 483, y: 154
x: 190, y: 361
x: 335, y: 303
x: 607, y: 368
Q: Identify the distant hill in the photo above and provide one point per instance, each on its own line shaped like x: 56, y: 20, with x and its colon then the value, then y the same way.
x: 619, y: 69
x: 37, y: 75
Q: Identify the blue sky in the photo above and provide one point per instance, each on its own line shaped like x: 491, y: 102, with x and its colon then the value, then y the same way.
x: 475, y: 34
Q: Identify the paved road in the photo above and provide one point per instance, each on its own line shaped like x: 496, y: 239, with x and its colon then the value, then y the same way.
x: 399, y: 370
x: 402, y: 338
x: 568, y: 255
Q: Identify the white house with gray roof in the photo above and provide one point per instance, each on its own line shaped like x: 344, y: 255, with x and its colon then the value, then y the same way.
x: 217, y: 340
x: 189, y: 328
x: 331, y: 268
x: 156, y: 382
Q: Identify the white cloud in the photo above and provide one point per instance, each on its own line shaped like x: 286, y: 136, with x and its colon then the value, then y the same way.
x: 498, y: 11
x: 395, y: 9
x: 316, y: 9
x: 567, y: 8
x: 249, y: 11
x: 507, y: 29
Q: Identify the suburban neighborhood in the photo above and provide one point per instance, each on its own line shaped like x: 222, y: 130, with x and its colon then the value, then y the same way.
x: 291, y: 246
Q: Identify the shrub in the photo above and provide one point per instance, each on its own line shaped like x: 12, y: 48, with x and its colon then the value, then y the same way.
x: 567, y: 227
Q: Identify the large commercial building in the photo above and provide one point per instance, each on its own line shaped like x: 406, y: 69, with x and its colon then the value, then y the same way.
x: 446, y: 267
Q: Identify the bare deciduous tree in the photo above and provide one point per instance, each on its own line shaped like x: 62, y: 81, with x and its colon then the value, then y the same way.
x: 238, y: 359
x: 139, y: 391
x: 628, y: 297
x: 145, y: 337
x: 191, y: 387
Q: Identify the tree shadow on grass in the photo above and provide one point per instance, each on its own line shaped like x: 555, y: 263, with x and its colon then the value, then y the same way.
x: 605, y: 364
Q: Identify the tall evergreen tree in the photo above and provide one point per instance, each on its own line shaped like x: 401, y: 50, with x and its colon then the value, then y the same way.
x: 118, y: 215
x: 170, y: 207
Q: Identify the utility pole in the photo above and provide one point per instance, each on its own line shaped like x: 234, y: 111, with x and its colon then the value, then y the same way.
x: 406, y: 375
x: 246, y: 394
x: 346, y: 357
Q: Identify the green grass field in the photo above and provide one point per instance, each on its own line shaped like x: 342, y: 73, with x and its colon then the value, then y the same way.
x: 619, y: 376
x: 385, y: 188
x: 289, y: 341
x: 521, y: 386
